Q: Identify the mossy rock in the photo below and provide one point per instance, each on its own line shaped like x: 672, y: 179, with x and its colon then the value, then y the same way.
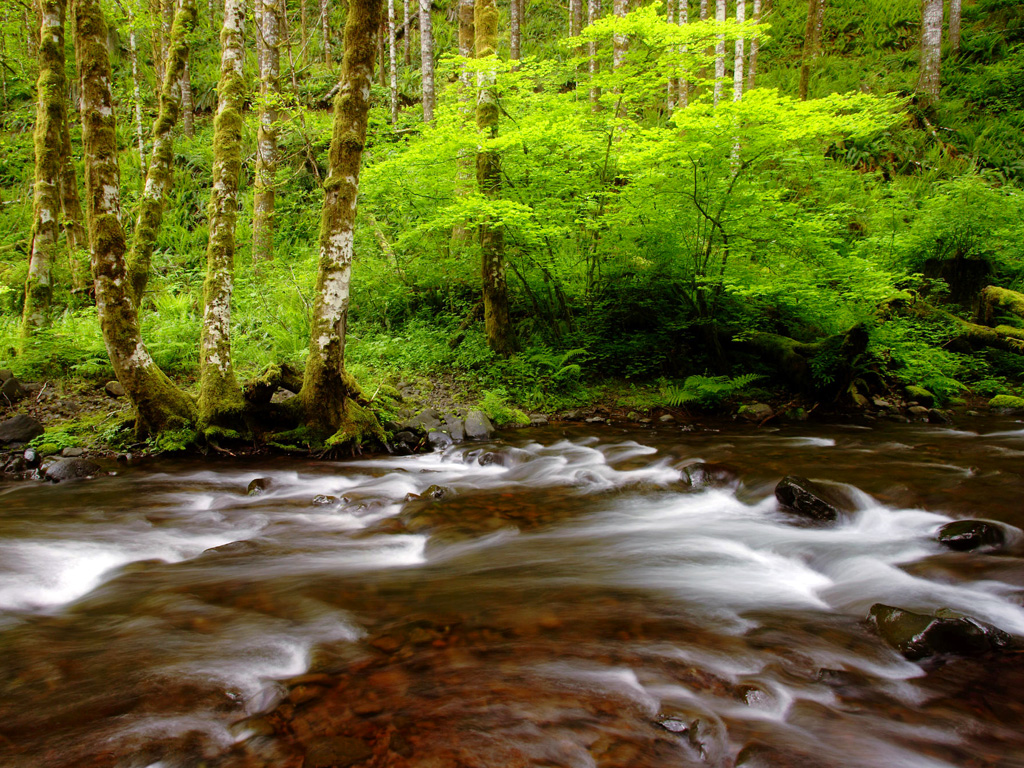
x: 1007, y: 404
x: 921, y: 395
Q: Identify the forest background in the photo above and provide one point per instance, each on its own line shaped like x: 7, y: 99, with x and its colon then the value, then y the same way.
x: 811, y: 202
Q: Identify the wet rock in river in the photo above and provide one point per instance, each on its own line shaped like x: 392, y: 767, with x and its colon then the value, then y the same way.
x: 709, y: 475
x: 755, y: 412
x: 259, y: 486
x: 455, y: 427
x: 918, y: 635
x: 478, y: 426
x: 31, y: 457
x: 538, y: 420
x: 438, y: 492
x: 966, y: 535
x: 810, y: 499
x: 439, y: 439
x: 322, y: 500
x: 72, y: 469
x: 20, y: 429
x: 336, y: 752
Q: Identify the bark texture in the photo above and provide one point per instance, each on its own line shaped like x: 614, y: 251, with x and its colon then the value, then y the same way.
x: 811, y: 45
x: 328, y: 391
x: 515, y: 22
x: 755, y: 45
x: 497, y: 325
x: 51, y: 114
x: 427, y: 60
x: 719, y: 53
x: 263, y: 216
x: 575, y: 17
x: 954, y: 25
x: 993, y: 297
x: 931, y: 49
x: 620, y: 43
x: 220, y: 397
x: 325, y: 28
x: 71, y: 210
x: 158, y: 404
x: 161, y: 165
x: 393, y: 63
x: 594, y: 64
x: 737, y: 70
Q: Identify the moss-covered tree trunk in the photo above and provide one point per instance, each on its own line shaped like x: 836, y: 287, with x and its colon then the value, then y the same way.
x: 427, y: 60
x: 811, y: 44
x: 993, y: 297
x: 327, y: 390
x: 161, y: 165
x: 497, y: 324
x: 51, y: 112
x: 931, y: 49
x: 263, y: 218
x: 71, y: 209
x: 220, y: 397
x: 157, y: 38
x: 158, y: 403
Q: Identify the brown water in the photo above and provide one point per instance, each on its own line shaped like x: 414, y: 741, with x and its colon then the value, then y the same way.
x: 568, y: 602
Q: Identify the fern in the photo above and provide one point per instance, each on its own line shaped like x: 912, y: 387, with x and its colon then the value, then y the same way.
x: 706, y: 391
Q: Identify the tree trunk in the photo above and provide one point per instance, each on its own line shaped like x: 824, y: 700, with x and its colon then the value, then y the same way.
x: 188, y: 107
x: 407, y: 27
x: 497, y: 325
x: 737, y: 71
x: 71, y: 209
x: 325, y: 28
x: 133, y: 53
x: 161, y: 166
x: 515, y: 35
x: 620, y: 43
x: 263, y: 216
x: 220, y: 397
x: 393, y: 62
x: 327, y: 389
x: 303, y: 31
x: 51, y: 112
x: 157, y: 39
x: 719, y: 53
x: 464, y: 170
x: 931, y: 49
x: 993, y: 297
x: 593, y: 14
x: 811, y: 43
x: 158, y: 404
x: 575, y: 17
x: 755, y: 45
x: 671, y: 10
x: 427, y: 60
x: 954, y: 25
x: 211, y: 11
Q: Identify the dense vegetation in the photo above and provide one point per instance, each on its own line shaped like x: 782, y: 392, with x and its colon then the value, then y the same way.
x: 834, y: 247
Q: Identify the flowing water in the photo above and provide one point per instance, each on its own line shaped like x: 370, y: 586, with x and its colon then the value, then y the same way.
x: 557, y: 598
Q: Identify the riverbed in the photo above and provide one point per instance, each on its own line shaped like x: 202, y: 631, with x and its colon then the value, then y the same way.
x: 559, y: 597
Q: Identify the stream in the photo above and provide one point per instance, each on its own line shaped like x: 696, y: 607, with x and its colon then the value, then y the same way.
x: 560, y: 597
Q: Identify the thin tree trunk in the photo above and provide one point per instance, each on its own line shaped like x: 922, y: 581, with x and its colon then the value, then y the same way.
x: 188, y: 108
x: 465, y: 164
x: 954, y: 25
x: 737, y: 72
x: 325, y: 28
x: 220, y: 397
x: 719, y: 53
x: 811, y: 43
x: 211, y: 11
x: 161, y: 166
x: 303, y: 31
x: 133, y: 53
x: 620, y: 43
x: 593, y: 13
x: 327, y: 389
x: 575, y: 17
x: 158, y: 404
x: 71, y: 208
x: 263, y: 216
x: 393, y: 62
x: 407, y: 37
x: 427, y: 60
x: 157, y: 38
x: 257, y: 16
x: 931, y: 49
x: 671, y: 11
x: 515, y: 36
x: 51, y: 112
x: 497, y: 324
x: 755, y: 45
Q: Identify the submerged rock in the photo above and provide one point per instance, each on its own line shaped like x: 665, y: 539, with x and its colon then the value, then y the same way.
x: 322, y: 500
x: 72, y: 469
x: 336, y: 752
x: 918, y: 635
x: 708, y: 475
x: 966, y: 535
x: 478, y: 426
x: 259, y: 486
x: 20, y: 429
x: 810, y: 499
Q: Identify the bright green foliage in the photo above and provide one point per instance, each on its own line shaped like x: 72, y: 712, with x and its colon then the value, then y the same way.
x: 706, y: 391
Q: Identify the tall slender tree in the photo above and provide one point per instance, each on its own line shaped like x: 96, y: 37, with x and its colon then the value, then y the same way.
x: 575, y: 17
x: 220, y: 398
x: 812, y: 42
x: 755, y: 46
x: 51, y: 113
x: 931, y: 49
x: 158, y: 404
x: 393, y: 63
x: 515, y: 20
x: 497, y: 323
x: 594, y: 64
x: 71, y: 211
x: 263, y: 215
x: 159, y: 174
x: 737, y: 70
x: 954, y: 25
x: 620, y: 43
x: 329, y: 395
x: 719, y: 53
x: 427, y: 60
x: 325, y: 30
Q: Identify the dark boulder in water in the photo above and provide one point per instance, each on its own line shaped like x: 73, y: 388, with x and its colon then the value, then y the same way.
x: 918, y: 635
x: 259, y: 486
x: 709, y: 475
x: 72, y: 469
x: 810, y: 499
x: 966, y: 535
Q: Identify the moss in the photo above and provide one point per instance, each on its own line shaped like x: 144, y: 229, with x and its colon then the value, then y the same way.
x: 920, y: 394
x: 174, y: 440
x: 1006, y: 403
x: 358, y: 428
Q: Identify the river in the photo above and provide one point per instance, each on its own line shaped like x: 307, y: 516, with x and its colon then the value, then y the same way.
x: 560, y: 597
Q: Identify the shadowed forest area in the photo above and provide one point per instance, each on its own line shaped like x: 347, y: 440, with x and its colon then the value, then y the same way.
x: 639, y: 208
